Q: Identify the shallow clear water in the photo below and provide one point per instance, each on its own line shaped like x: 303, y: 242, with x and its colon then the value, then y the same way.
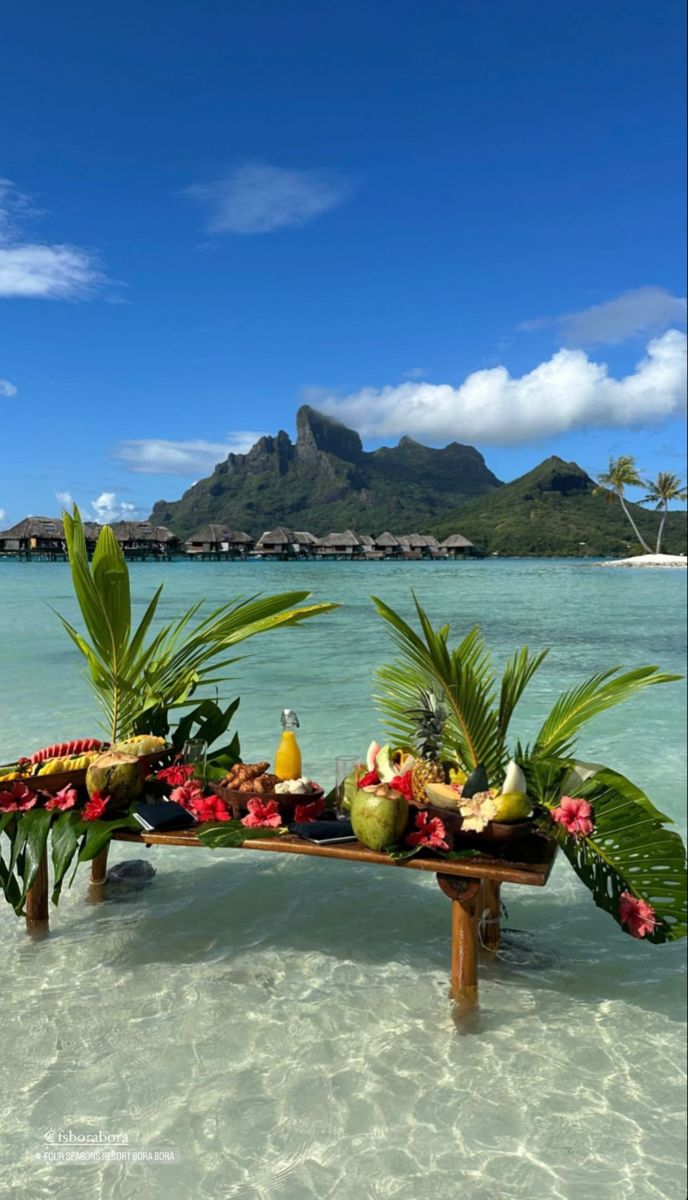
x: 283, y: 1026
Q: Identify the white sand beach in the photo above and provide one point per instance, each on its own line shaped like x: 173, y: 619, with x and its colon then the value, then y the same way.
x: 648, y: 560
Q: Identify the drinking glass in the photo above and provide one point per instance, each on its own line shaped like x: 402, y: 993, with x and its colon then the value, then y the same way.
x: 343, y: 767
x: 194, y: 755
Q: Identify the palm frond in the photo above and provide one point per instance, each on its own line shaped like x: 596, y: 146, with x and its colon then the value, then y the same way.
x: 590, y: 698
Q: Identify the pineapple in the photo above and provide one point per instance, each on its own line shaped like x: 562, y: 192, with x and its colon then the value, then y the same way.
x: 430, y: 718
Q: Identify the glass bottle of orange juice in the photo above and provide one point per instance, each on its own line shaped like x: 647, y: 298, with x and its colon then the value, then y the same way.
x: 288, y: 756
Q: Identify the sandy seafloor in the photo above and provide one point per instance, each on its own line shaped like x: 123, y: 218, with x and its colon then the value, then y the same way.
x: 282, y: 1027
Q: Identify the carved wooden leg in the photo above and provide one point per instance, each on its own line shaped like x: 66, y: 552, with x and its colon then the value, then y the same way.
x: 98, y: 875
x: 490, y: 911
x: 464, y: 895
x: 37, y: 919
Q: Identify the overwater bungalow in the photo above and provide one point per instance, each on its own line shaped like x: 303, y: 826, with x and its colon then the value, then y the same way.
x: 285, y: 543
x: 41, y: 536
x: 140, y: 539
x: 340, y: 545
x: 390, y: 546
x: 219, y: 540
x: 458, y: 546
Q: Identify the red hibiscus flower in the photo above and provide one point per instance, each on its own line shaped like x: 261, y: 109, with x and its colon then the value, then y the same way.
x: 429, y: 832
x: 95, y: 807
x: 262, y: 814
x: 209, y: 808
x: 64, y: 799
x: 18, y: 799
x: 575, y: 815
x: 368, y: 780
x: 308, y: 812
x: 187, y: 794
x: 638, y: 916
x: 404, y: 784
x: 176, y: 775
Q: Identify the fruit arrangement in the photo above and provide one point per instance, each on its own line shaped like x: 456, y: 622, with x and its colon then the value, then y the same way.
x: 76, y: 758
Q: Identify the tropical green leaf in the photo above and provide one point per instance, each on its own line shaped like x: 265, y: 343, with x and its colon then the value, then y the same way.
x: 629, y: 850
x: 64, y: 839
x: 228, y: 834
x: 36, y: 828
x: 98, y: 833
x: 590, y: 698
x: 140, y: 678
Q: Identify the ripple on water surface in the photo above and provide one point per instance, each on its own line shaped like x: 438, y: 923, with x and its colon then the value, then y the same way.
x: 284, y: 1026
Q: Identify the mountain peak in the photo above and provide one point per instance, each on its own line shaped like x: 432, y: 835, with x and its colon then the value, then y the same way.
x: 317, y: 432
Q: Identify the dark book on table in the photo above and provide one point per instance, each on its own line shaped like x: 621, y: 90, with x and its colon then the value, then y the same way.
x: 162, y: 816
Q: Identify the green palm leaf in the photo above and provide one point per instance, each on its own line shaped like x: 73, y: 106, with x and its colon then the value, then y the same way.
x: 629, y: 850
x: 145, y: 672
x: 590, y: 698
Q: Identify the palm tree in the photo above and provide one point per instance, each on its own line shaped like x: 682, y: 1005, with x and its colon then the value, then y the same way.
x: 661, y: 491
x: 621, y: 473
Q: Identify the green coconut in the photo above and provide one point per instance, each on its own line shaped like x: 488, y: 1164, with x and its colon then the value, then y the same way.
x: 117, y: 776
x: 379, y: 817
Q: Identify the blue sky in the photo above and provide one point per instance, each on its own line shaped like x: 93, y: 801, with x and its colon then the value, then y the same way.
x: 453, y: 220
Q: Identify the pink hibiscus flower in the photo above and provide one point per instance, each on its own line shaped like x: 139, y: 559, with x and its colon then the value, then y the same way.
x: 429, y: 832
x: 209, y: 808
x: 95, y: 807
x: 575, y: 815
x: 637, y: 915
x: 18, y: 799
x: 403, y: 784
x: 308, y: 812
x: 187, y: 794
x: 64, y: 799
x: 262, y: 814
x: 176, y: 775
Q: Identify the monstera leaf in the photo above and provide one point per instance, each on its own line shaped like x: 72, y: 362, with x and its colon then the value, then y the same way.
x: 629, y: 850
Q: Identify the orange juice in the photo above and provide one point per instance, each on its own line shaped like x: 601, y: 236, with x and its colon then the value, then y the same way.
x: 288, y: 757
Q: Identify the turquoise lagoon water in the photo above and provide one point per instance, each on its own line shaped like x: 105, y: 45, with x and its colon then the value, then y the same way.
x: 283, y: 1026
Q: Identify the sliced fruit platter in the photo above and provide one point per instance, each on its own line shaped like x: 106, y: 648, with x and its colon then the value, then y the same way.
x: 85, y: 761
x: 396, y: 795
x: 248, y: 781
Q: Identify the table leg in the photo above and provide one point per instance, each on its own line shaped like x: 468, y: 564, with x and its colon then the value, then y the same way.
x: 490, y: 912
x: 464, y: 895
x: 37, y: 918
x: 98, y: 875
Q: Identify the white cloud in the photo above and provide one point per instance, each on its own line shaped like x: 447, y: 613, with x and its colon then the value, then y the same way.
x: 159, y: 456
x: 416, y: 373
x: 3, y: 514
x: 37, y: 270
x: 569, y: 391
x: 108, y: 508
x: 65, y: 499
x: 7, y: 388
x: 639, y: 312
x: 258, y: 198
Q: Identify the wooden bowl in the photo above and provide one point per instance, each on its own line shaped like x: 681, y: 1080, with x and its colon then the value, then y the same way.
x: 237, y: 802
x: 77, y: 779
x: 494, y: 831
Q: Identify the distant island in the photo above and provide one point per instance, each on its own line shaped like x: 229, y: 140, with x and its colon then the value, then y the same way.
x: 325, y: 482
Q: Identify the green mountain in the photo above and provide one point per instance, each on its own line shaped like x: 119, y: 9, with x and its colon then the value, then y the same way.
x: 552, y: 511
x: 326, y: 481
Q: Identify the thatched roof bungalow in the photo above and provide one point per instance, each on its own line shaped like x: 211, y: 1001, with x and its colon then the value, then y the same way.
x: 390, y: 546
x: 140, y: 537
x: 344, y: 545
x: 218, y: 539
x: 457, y: 546
x: 38, y: 534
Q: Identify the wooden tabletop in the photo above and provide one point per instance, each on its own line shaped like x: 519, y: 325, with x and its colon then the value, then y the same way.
x: 528, y: 860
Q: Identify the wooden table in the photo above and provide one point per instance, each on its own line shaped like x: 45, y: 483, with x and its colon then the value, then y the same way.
x: 472, y: 885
